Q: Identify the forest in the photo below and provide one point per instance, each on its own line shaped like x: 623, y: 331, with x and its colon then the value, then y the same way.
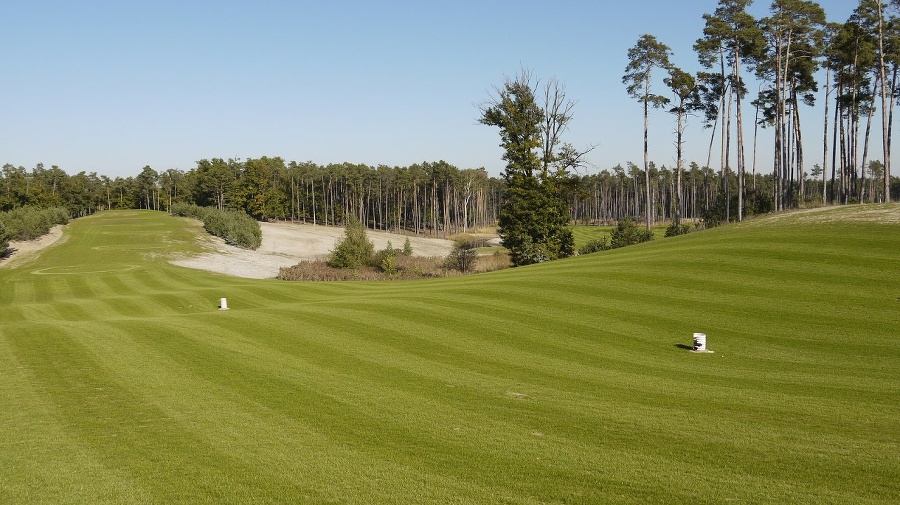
x: 787, y: 53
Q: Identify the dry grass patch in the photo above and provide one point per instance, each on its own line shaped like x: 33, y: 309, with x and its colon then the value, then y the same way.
x: 886, y: 213
x: 407, y: 268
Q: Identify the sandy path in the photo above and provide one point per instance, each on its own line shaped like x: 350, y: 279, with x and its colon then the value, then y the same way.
x: 286, y: 244
x: 21, y: 251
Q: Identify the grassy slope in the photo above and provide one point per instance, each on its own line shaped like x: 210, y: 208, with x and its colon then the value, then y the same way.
x: 565, y: 382
x: 584, y: 234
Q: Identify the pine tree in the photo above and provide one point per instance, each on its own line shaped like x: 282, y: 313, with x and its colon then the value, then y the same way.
x: 647, y: 54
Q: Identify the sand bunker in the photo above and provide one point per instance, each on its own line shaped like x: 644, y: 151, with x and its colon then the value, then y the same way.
x: 21, y: 251
x: 286, y: 244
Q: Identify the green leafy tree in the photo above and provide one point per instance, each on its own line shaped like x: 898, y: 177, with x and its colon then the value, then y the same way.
x: 534, y: 216
x: 646, y: 55
x: 172, y: 184
x: 4, y: 239
x: 257, y: 190
x: 14, y: 187
x: 214, y: 179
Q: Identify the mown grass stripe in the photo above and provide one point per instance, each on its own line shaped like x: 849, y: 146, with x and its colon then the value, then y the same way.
x: 126, y: 434
x: 42, y: 461
x: 270, y: 385
x: 561, y: 382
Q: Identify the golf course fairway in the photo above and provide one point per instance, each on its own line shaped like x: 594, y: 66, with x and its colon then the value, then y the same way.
x: 572, y: 381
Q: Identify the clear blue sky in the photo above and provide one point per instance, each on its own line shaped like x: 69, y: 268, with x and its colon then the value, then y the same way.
x: 109, y: 87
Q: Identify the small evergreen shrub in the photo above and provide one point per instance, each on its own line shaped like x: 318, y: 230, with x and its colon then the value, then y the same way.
x: 354, y: 250
x: 407, y: 248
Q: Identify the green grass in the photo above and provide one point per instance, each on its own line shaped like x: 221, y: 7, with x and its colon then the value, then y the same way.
x: 565, y: 382
x: 584, y: 234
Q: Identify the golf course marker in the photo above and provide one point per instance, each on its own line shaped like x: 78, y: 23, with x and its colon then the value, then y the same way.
x: 700, y: 343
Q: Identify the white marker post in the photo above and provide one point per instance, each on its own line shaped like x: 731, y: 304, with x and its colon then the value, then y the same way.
x: 223, y: 304
x: 700, y: 342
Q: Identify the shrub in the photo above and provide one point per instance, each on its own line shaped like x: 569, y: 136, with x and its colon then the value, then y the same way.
x: 354, y: 250
x: 29, y: 223
x: 672, y: 230
x: 407, y: 267
x: 242, y: 230
x: 627, y: 233
x: 596, y: 245
x: 385, y: 259
x: 191, y: 210
x: 236, y: 228
x: 463, y: 256
x: 388, y: 265
x: 407, y: 248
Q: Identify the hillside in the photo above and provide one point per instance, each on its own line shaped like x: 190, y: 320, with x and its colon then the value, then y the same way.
x: 566, y: 382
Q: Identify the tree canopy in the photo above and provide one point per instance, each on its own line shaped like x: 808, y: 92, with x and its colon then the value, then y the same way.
x: 534, y: 216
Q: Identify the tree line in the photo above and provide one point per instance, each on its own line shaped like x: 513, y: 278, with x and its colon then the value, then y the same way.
x: 434, y: 198
x: 424, y: 198
x: 784, y: 52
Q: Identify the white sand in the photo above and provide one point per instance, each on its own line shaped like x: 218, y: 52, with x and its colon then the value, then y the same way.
x: 21, y: 251
x: 286, y: 244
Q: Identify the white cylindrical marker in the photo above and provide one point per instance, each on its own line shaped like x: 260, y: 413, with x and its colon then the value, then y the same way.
x: 699, y: 341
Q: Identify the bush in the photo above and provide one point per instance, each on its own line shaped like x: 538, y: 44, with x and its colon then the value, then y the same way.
x: 463, y: 257
x: 407, y: 248
x: 236, y: 228
x: 596, y: 245
x: 627, y: 233
x: 407, y: 268
x: 191, y: 210
x: 29, y: 223
x: 674, y: 230
x: 385, y: 259
x: 354, y: 250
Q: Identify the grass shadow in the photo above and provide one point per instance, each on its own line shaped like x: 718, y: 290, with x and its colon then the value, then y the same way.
x: 685, y: 347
